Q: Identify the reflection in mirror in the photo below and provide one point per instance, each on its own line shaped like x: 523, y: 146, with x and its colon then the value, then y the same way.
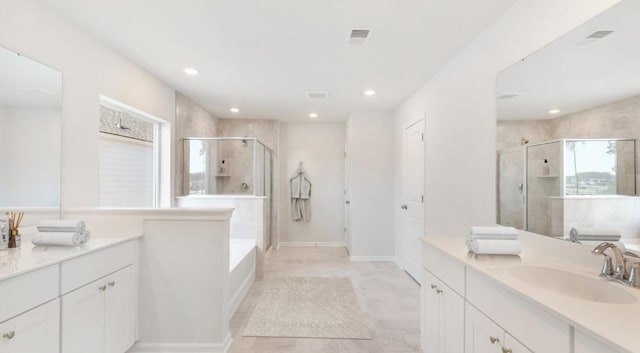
x: 30, y: 131
x: 567, y: 129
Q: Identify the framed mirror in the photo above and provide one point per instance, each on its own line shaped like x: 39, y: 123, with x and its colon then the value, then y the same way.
x: 30, y: 131
x: 568, y: 124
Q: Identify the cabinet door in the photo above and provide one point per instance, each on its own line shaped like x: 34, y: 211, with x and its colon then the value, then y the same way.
x: 36, y: 331
x: 120, y: 311
x: 430, y: 314
x: 451, y: 320
x: 587, y: 344
x: 511, y: 345
x: 83, y: 319
x: 482, y: 334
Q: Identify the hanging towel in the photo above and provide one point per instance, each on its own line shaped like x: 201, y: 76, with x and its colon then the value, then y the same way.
x: 300, y: 195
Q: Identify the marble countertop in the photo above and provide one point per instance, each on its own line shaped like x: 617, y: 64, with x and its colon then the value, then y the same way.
x: 29, y: 257
x: 616, y: 324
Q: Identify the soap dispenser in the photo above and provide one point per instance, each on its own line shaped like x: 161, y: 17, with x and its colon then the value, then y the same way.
x: 545, y: 167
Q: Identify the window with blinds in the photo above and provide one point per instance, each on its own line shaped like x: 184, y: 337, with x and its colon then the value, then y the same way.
x: 128, y: 159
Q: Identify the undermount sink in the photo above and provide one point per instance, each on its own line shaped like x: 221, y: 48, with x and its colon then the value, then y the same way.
x: 573, y: 284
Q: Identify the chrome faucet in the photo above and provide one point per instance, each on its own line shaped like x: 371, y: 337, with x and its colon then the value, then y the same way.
x: 629, y: 277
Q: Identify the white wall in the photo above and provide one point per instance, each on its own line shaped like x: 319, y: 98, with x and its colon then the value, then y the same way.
x: 89, y: 69
x: 30, y: 159
x: 460, y: 112
x: 321, y: 147
x: 372, y: 176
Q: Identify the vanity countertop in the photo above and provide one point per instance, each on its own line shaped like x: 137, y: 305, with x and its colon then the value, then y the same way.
x: 616, y: 324
x: 29, y: 257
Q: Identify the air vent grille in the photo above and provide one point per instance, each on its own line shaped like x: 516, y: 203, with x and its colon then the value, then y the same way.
x: 599, y: 34
x: 593, y: 37
x: 508, y: 95
x: 359, y: 36
x: 317, y: 95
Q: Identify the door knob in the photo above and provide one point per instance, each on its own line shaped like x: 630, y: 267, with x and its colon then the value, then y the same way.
x: 404, y: 207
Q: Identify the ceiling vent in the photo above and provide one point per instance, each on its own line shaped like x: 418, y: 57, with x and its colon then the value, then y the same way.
x: 359, y: 36
x: 508, y: 95
x: 593, y: 37
x: 317, y: 95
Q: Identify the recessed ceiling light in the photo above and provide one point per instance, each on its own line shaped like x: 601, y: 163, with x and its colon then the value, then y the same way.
x: 369, y: 92
x: 191, y: 71
x: 234, y: 110
x: 313, y: 115
x: 554, y: 111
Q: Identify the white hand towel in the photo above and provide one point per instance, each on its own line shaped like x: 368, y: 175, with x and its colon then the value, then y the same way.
x: 478, y: 232
x: 594, y: 234
x: 57, y: 238
x: 494, y: 247
x: 61, y: 226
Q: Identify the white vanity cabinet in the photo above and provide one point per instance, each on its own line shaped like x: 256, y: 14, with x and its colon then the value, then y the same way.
x: 484, y: 336
x: 442, y: 316
x: 99, y: 301
x: 587, y: 344
x: 99, y: 317
x: 36, y: 331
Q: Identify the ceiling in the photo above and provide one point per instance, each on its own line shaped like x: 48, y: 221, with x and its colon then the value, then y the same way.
x: 27, y: 83
x: 263, y: 56
x: 570, y: 76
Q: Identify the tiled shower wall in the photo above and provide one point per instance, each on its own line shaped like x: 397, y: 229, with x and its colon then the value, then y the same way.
x: 613, y: 120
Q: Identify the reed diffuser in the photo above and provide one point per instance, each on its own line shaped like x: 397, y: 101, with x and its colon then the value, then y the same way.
x: 15, y: 218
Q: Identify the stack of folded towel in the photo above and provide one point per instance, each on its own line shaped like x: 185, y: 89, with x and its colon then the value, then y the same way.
x: 595, y: 236
x: 61, y: 232
x: 494, y: 241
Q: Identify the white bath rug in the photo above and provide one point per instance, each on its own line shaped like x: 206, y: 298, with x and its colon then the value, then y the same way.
x: 308, y: 307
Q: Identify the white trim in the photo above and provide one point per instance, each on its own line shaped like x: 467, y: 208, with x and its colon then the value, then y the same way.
x: 312, y: 244
x: 372, y: 259
x: 238, y: 297
x: 165, y: 347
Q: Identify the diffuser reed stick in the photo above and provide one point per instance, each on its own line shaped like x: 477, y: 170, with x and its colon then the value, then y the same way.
x: 15, y: 218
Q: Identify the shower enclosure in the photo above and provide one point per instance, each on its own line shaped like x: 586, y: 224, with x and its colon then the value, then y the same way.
x: 227, y: 166
x: 535, y: 181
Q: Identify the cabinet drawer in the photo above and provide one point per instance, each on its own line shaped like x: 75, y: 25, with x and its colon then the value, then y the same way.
x: 36, y: 331
x: 77, y: 272
x: 446, y: 268
x: 28, y: 291
x: 588, y: 344
x: 535, y: 328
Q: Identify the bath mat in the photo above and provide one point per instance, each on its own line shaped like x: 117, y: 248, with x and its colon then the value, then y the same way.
x: 308, y: 307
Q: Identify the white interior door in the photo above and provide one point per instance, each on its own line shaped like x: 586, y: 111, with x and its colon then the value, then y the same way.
x: 347, y: 194
x: 413, y: 198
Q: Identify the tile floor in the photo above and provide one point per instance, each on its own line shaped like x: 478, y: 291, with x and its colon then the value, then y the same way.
x: 387, y: 295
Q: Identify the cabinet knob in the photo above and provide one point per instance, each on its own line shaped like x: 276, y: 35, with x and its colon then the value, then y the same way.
x: 506, y: 350
x: 9, y: 335
x: 103, y: 288
x: 439, y: 291
x: 494, y: 339
x: 112, y: 283
x: 433, y: 286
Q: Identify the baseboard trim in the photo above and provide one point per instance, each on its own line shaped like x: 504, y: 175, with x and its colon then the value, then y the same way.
x: 372, y: 259
x: 238, y: 297
x: 166, y: 347
x: 312, y: 244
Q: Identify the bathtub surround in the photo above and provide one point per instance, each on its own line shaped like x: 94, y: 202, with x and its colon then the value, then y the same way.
x: 168, y: 276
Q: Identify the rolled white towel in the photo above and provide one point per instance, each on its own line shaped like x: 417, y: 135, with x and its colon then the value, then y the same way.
x: 482, y: 232
x: 495, y: 246
x: 61, y: 226
x: 58, y: 238
x: 594, y: 234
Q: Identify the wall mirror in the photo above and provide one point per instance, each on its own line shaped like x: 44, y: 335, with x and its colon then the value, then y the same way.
x: 568, y: 120
x: 30, y: 131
